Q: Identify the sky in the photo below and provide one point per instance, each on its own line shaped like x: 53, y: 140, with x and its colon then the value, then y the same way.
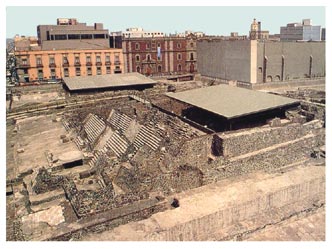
x: 212, y: 20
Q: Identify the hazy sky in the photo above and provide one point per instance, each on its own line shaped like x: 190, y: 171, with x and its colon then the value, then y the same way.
x: 211, y: 20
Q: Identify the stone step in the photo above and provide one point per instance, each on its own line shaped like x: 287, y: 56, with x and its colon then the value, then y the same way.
x: 117, y: 144
x: 148, y: 137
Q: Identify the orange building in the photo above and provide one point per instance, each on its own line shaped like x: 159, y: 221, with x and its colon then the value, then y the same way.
x: 53, y: 65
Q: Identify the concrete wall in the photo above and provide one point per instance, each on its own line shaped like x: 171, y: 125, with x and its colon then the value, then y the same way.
x: 244, y: 60
x: 296, y: 60
x: 224, y: 59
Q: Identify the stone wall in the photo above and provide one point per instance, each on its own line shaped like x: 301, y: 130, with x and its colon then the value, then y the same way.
x: 239, y: 143
x: 272, y: 158
x: 219, y: 206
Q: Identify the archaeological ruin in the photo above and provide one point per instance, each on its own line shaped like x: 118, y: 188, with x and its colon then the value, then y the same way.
x: 175, y: 161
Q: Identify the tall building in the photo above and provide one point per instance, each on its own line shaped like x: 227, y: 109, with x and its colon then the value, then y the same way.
x: 300, y: 31
x: 160, y: 55
x: 256, y: 32
x: 252, y: 61
x: 65, y: 50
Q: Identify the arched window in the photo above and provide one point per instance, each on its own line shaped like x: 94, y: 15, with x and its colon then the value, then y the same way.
x: 269, y: 78
x: 148, y: 57
x: 137, y: 58
x: 179, y: 68
x: 138, y: 69
x: 159, y: 69
x: 178, y: 45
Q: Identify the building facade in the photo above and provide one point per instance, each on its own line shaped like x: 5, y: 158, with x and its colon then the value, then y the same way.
x: 65, y: 50
x: 252, y: 61
x: 70, y: 34
x: 300, y: 31
x: 160, y: 55
x: 45, y: 65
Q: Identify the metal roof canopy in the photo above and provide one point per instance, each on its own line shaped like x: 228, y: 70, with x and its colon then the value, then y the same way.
x: 107, y: 81
x: 232, y: 102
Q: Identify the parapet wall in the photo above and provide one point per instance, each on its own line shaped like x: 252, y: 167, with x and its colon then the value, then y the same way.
x: 239, y: 143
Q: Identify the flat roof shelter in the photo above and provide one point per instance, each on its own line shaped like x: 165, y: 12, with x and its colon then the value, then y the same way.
x: 108, y: 82
x: 232, y: 104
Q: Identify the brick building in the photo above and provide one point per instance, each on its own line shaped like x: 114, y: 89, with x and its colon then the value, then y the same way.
x: 160, y: 55
x: 65, y: 50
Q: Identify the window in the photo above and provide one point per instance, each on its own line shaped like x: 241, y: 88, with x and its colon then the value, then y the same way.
x: 60, y: 37
x: 137, y: 58
x: 137, y: 46
x: 178, y: 45
x: 99, y: 36
x: 108, y: 70
x: 65, y: 59
x: 89, y: 71
x: 148, y: 57
x: 179, y: 68
x: 117, y: 59
x: 98, y: 59
x: 52, y: 60
x: 158, y: 45
x: 98, y: 70
x: 191, y: 45
x: 24, y: 61
x: 179, y: 56
x: 40, y: 74
x: 86, y: 36
x: 73, y: 37
x: 77, y: 59
x: 53, y: 73
x: 107, y: 58
x: 78, y: 71
x: 88, y: 59
x: 159, y: 69
x: 66, y: 72
x: 148, y: 46
x: 191, y: 56
x: 39, y: 61
x: 138, y: 69
x: 117, y: 69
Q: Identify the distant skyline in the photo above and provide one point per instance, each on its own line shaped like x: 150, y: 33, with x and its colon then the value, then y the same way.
x: 212, y: 20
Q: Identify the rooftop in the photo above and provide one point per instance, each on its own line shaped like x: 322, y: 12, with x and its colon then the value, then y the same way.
x: 231, y: 102
x: 107, y: 81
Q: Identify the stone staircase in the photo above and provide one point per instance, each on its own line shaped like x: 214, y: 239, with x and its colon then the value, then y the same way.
x: 66, y: 124
x: 94, y: 127
x: 119, y: 121
x: 79, y: 142
x: 146, y: 136
x: 117, y: 144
